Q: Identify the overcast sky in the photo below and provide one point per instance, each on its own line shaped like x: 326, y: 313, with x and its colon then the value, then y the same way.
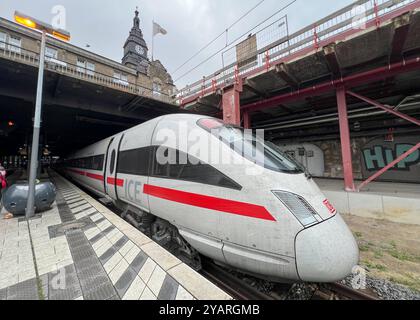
x: 191, y: 24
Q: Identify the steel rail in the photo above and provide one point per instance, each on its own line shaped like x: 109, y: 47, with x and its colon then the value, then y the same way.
x: 234, y: 286
x: 344, y: 291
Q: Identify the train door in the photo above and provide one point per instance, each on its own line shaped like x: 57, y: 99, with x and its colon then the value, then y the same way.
x: 133, y: 166
x: 111, y: 181
x: 177, y: 191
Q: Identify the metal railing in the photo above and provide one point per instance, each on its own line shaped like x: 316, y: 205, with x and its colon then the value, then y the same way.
x: 354, y: 17
x: 15, y: 53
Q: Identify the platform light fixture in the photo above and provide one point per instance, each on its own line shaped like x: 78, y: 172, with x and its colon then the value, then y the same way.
x: 25, y: 21
x: 33, y: 23
x: 45, y: 29
x: 61, y: 36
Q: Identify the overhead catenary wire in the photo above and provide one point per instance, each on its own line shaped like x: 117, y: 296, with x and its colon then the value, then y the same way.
x: 234, y: 41
x: 220, y: 35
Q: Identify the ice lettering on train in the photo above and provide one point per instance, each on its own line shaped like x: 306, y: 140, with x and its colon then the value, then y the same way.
x: 133, y: 190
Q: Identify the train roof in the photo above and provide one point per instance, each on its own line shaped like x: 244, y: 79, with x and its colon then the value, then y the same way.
x: 172, y: 117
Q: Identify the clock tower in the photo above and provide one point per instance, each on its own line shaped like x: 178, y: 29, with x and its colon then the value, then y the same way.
x: 135, y: 48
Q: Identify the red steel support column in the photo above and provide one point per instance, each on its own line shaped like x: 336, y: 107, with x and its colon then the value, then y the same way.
x: 385, y: 108
x: 247, y: 120
x: 231, y: 105
x: 345, y: 139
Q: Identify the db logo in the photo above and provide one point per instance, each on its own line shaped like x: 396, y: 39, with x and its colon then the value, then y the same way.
x: 329, y: 206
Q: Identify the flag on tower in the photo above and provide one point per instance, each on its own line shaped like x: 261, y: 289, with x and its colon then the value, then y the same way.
x: 158, y: 29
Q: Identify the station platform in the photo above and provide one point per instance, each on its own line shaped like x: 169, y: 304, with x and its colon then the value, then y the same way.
x: 80, y: 250
x: 396, y: 202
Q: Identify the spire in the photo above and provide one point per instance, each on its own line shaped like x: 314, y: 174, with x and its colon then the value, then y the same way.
x: 137, y: 19
x: 135, y: 48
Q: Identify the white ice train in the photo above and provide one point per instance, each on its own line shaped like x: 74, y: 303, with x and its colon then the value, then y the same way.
x: 276, y: 225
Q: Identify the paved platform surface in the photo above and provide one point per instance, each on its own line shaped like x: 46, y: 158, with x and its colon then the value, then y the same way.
x: 81, y: 250
x: 396, y: 202
x: 382, y: 188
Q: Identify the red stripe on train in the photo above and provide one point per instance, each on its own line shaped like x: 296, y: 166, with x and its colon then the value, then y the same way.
x: 95, y: 176
x: 118, y: 182
x: 112, y: 181
x: 212, y: 203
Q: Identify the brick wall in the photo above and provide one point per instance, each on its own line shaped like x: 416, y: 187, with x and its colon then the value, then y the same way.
x: 333, y: 159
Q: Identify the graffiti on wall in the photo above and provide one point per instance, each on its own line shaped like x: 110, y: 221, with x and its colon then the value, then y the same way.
x: 378, y: 154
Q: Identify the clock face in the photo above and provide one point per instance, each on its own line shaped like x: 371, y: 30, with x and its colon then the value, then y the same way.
x: 139, y: 49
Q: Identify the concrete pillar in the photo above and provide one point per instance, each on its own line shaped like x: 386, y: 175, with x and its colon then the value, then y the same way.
x: 345, y: 139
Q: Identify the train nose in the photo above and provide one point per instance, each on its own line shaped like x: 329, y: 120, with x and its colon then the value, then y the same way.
x: 326, y: 252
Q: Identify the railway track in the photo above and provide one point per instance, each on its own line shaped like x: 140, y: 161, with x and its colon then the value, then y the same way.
x: 236, y: 287
x: 241, y: 290
x: 338, y: 291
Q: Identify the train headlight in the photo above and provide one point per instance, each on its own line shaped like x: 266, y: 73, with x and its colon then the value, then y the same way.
x: 298, y: 206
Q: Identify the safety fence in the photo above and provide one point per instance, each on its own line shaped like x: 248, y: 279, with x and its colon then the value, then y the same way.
x: 18, y: 54
x: 254, y: 53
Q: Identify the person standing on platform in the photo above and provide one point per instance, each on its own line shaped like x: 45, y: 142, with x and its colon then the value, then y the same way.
x: 3, y: 182
x: 2, y: 171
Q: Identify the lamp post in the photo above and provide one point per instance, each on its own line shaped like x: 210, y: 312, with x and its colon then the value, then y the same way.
x: 45, y: 29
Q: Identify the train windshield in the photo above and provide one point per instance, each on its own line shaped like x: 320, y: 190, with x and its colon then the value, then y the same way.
x: 252, y: 146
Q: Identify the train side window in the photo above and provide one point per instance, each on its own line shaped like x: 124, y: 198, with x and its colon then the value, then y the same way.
x: 93, y: 164
x: 160, y: 169
x: 135, y: 162
x: 192, y: 170
x: 99, y: 160
x: 97, y: 163
x: 177, y: 165
x: 204, y: 173
x: 89, y: 163
x: 112, y: 164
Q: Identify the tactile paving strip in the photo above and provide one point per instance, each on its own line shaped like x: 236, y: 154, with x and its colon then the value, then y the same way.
x: 94, y: 281
x: 65, y: 213
x: 3, y: 294
x: 26, y: 290
x: 60, y: 230
x: 68, y: 290
x: 135, y: 267
x: 89, y: 271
